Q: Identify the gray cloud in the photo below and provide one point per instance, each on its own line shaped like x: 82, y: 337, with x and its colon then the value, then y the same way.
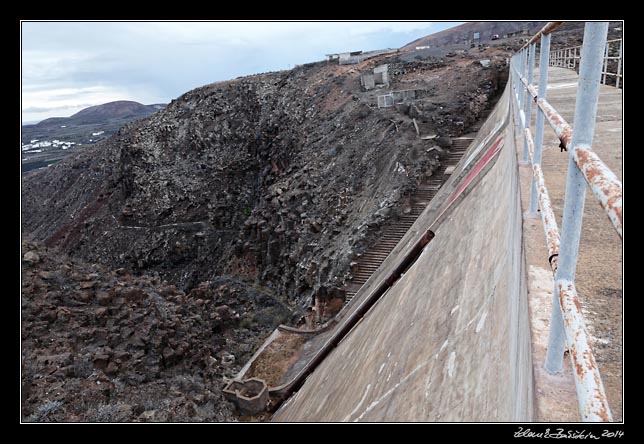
x: 36, y: 109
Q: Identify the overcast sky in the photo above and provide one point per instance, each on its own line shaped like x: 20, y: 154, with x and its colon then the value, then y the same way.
x: 68, y: 66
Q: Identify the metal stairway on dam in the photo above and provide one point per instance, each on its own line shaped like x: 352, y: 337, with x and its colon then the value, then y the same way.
x: 366, y: 264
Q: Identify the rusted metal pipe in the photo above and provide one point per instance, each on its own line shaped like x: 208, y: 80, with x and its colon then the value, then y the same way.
x: 547, y: 29
x: 606, y: 187
x: 531, y: 88
x: 533, y: 92
x: 591, y: 396
x: 547, y: 214
x: 548, y: 218
x: 558, y: 123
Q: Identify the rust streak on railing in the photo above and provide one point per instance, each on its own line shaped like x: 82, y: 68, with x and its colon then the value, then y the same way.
x: 550, y: 227
x: 606, y: 187
x: 593, y: 405
x: 558, y: 123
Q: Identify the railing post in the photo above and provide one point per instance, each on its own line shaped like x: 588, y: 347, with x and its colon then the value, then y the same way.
x: 528, y: 101
x: 590, y: 71
x: 515, y: 98
x: 522, y: 67
x: 574, y: 58
x: 605, y: 63
x: 544, y: 55
x: 619, y: 65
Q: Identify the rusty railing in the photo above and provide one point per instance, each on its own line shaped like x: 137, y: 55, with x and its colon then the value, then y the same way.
x: 584, y: 167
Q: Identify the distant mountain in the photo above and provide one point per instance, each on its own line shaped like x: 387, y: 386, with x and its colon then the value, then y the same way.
x: 58, y: 137
x: 79, y: 128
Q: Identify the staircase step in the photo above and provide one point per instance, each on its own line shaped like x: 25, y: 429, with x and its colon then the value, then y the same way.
x: 367, y: 268
x: 369, y: 260
x: 377, y: 255
x: 378, y: 261
x: 380, y: 254
x: 362, y: 277
x: 371, y: 269
x: 429, y: 191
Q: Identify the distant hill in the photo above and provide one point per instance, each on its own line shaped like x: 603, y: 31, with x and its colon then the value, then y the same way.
x: 459, y: 34
x: 121, y: 109
x: 58, y: 137
x: 79, y: 128
x: 510, y: 33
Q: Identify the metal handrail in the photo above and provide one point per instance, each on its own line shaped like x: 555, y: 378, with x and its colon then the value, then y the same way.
x: 584, y: 167
x: 570, y: 58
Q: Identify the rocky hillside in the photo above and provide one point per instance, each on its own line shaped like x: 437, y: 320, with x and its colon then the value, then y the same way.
x: 104, y: 345
x: 268, y: 185
x: 274, y: 178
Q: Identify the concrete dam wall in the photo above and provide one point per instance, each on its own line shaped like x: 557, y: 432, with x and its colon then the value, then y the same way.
x: 450, y: 339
